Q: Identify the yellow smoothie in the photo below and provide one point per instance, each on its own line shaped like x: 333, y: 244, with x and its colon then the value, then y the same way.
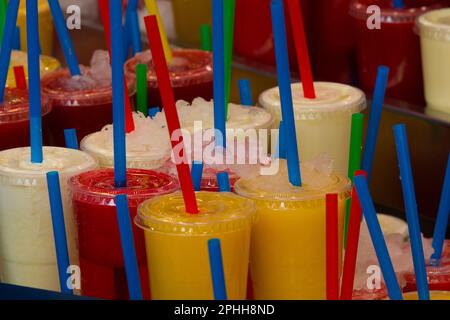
x: 434, y: 295
x: 287, y: 259
x: 177, y: 244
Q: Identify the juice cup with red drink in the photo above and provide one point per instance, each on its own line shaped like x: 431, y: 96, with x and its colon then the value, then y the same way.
x: 395, y: 44
x: 190, y: 75
x: 101, y: 260
x: 81, y: 102
x: 15, y: 120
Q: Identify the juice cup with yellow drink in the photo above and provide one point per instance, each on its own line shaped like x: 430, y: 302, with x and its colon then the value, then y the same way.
x: 287, y: 258
x: 434, y: 295
x: 177, y: 244
x: 322, y: 124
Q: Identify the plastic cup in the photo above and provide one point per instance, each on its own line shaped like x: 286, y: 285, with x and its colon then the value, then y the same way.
x: 287, y: 260
x: 45, y: 26
x: 15, y: 119
x: 323, y: 124
x: 374, y: 47
x: 19, y: 58
x: 434, y: 295
x: 177, y: 244
x: 27, y: 248
x: 93, y: 198
x: 434, y: 30
x: 371, y: 294
x: 86, y: 108
x: 148, y: 146
x: 438, y: 277
x: 190, y: 75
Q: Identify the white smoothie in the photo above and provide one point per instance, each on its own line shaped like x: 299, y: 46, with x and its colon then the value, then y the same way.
x: 27, y: 249
x: 323, y: 124
x: 434, y: 29
x: 148, y: 146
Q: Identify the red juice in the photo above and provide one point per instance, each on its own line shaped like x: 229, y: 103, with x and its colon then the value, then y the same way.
x: 101, y: 260
x: 190, y: 75
x: 15, y: 119
x: 395, y: 45
x: 86, y: 107
x: 209, y: 179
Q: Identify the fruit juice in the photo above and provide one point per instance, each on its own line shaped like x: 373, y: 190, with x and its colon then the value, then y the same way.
x: 323, y: 124
x: 438, y: 277
x: 190, y: 75
x: 374, y: 47
x: 27, y: 247
x: 434, y: 295
x: 434, y: 29
x: 45, y: 26
x: 15, y: 119
x: 333, y: 53
x: 81, y: 102
x: 148, y: 146
x: 19, y: 58
x: 93, y: 198
x: 287, y: 259
x: 177, y: 244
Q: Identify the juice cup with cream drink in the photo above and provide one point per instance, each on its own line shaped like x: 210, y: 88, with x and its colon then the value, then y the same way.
x: 147, y: 146
x: 81, y: 102
x: 15, y: 119
x: 434, y: 29
x: 27, y: 248
x: 101, y: 260
x: 322, y: 124
x: 287, y: 258
x: 177, y: 244
x: 190, y: 74
x: 19, y: 58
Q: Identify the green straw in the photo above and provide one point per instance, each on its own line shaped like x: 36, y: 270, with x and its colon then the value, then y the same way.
x: 205, y: 34
x: 3, y: 6
x: 229, y: 8
x: 141, y: 88
x: 354, y: 162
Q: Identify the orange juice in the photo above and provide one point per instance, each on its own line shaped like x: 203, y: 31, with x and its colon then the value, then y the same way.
x: 287, y: 259
x: 177, y: 244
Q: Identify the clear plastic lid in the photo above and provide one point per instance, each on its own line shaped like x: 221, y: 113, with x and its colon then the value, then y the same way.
x: 219, y: 213
x: 16, y: 106
x: 316, y: 183
x: 435, y: 25
x: 188, y: 67
x: 16, y: 167
x: 98, y: 186
x: 331, y: 99
x: 412, y: 10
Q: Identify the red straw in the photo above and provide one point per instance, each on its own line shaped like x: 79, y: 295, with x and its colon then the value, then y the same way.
x: 332, y: 245
x: 301, y: 47
x: 19, y: 74
x: 104, y: 12
x: 351, y: 251
x: 168, y: 101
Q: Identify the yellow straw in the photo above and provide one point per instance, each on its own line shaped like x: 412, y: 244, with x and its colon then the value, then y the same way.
x: 153, y: 10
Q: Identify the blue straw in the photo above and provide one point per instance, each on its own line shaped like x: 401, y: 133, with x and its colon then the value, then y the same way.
x: 223, y: 179
x: 59, y: 230
x: 128, y: 250
x: 219, y: 71
x: 7, y: 42
x: 398, y: 4
x: 71, y: 138
x: 284, y: 81
x: 442, y: 219
x: 34, y: 87
x: 16, y: 40
x: 132, y: 27
x: 281, y: 141
x: 120, y: 158
x: 216, y: 265
x: 64, y: 38
x: 406, y: 177
x: 378, y: 241
x: 197, y: 173
x: 245, y: 92
x: 374, y: 121
x: 153, y: 111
